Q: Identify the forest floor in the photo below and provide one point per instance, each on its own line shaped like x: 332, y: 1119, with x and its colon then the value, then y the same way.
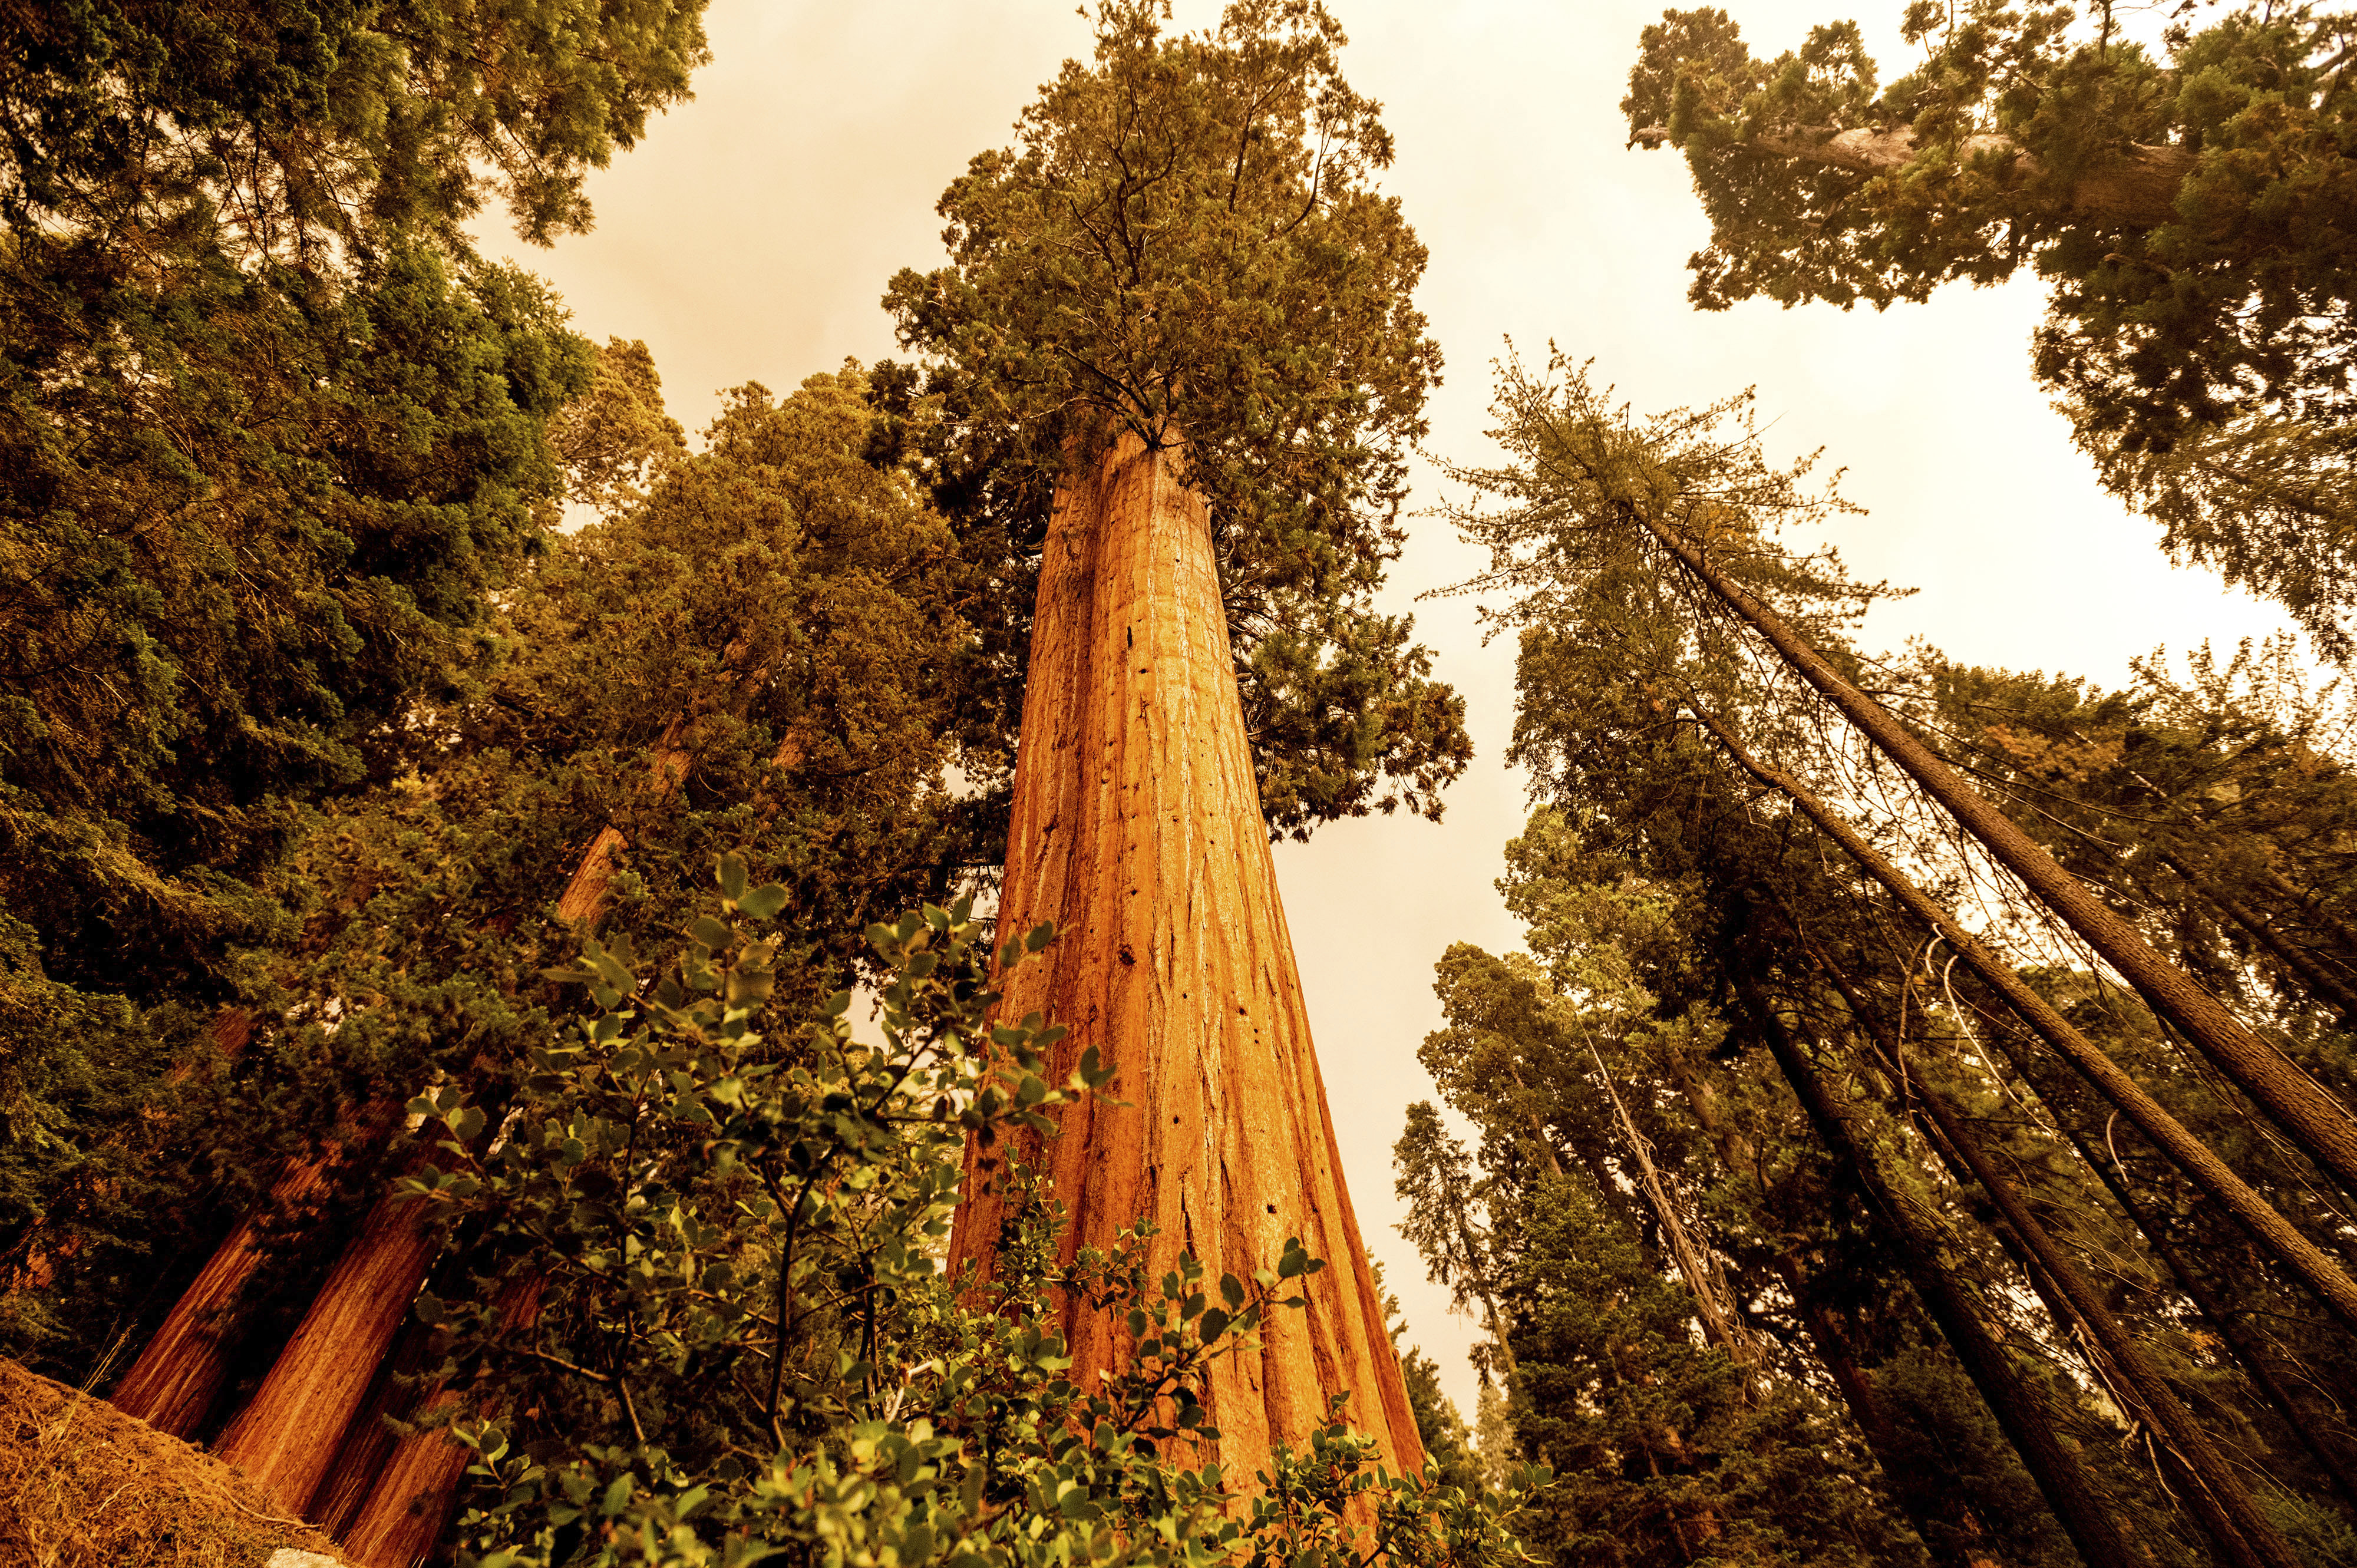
x: 83, y: 1485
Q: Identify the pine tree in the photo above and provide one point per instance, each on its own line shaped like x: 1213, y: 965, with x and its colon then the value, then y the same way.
x: 2181, y: 205
x: 1718, y: 853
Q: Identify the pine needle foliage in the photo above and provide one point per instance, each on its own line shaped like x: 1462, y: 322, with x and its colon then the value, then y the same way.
x: 2182, y: 195
x: 1187, y: 241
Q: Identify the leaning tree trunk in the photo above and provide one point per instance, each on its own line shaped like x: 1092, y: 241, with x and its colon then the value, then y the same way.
x: 2021, y: 1411
x: 179, y: 1374
x: 288, y: 1434
x: 2282, y: 1240
x: 185, y: 1364
x: 2207, y: 1488
x: 414, y: 1491
x: 1137, y: 831
x: 2315, y: 1119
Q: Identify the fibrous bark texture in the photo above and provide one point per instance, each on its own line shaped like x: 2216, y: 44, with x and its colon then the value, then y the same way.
x: 179, y: 1374
x: 1137, y: 831
x: 287, y: 1436
x: 413, y: 1492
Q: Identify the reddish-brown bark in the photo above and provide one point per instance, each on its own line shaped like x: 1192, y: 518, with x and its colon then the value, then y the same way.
x: 415, y: 1490
x: 368, y: 1441
x: 1137, y: 831
x: 288, y: 1434
x: 179, y: 1374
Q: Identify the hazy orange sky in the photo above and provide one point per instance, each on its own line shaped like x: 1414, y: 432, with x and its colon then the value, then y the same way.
x: 748, y: 238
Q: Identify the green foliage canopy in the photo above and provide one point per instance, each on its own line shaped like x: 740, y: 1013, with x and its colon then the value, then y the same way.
x: 271, y: 438
x: 1186, y: 243
x: 2185, y: 204
x: 1680, y: 918
x: 303, y: 127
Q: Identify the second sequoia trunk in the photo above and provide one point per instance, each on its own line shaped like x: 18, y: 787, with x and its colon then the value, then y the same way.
x: 1137, y: 831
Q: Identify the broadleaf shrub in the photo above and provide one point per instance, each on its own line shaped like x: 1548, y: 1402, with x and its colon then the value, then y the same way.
x: 707, y: 1324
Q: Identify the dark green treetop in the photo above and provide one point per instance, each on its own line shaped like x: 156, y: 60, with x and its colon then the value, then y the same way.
x: 1186, y: 244
x: 2186, y: 204
x: 297, y: 125
x: 272, y: 437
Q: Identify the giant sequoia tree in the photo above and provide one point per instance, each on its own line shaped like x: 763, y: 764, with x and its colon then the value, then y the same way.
x: 1181, y: 297
x: 2187, y: 206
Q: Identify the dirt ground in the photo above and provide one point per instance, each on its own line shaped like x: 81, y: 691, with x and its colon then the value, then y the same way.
x: 84, y: 1486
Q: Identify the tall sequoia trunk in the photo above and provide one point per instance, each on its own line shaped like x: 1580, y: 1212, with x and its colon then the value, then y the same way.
x: 2278, y: 1236
x: 2316, y: 1121
x: 368, y: 1437
x: 1137, y: 831
x: 179, y: 1373
x: 288, y: 1434
x: 414, y: 1491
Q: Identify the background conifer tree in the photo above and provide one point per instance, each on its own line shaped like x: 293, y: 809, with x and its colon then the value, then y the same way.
x: 2180, y: 195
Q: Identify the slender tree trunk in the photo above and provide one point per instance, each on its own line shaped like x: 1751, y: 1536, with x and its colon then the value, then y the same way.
x: 1951, y: 1531
x: 2315, y: 1119
x: 1478, y: 1258
x: 1938, y: 1514
x: 2189, y: 1154
x: 2208, y: 1488
x: 2027, y: 1420
x: 290, y: 1435
x: 2304, y: 1428
x: 1136, y: 829
x: 1722, y: 1323
x: 2248, y: 1353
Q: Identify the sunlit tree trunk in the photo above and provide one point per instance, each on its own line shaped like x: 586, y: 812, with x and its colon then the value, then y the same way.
x: 369, y: 1439
x: 290, y: 1434
x: 1137, y: 831
x: 414, y: 1491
